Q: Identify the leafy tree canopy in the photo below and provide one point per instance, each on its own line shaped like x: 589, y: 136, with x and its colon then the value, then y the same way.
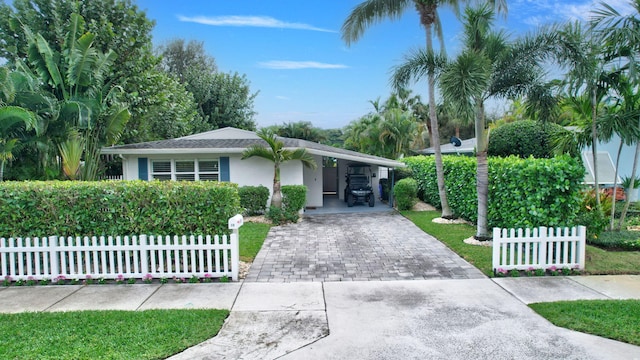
x: 222, y: 99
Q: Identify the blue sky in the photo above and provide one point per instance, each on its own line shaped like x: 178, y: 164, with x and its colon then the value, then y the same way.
x: 292, y: 53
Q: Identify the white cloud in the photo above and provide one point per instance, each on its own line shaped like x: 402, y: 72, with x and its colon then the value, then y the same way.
x: 280, y: 97
x: 538, y: 12
x: 249, y: 21
x: 295, y: 65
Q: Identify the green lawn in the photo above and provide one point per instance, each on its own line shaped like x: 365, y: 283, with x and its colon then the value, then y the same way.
x: 252, y: 236
x: 603, y: 262
x: 613, y: 319
x: 598, y: 261
x: 152, y: 334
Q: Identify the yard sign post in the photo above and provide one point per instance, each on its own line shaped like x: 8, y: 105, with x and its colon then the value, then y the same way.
x: 234, y: 224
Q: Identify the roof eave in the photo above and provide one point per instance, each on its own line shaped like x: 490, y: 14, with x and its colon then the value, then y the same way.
x: 116, y: 151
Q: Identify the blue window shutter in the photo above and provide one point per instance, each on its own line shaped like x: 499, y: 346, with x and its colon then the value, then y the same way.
x: 143, y: 169
x: 225, y: 175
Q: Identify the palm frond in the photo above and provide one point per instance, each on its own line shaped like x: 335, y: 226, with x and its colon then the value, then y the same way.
x: 465, y: 80
x: 368, y: 13
x: 306, y: 158
x: 258, y: 151
x: 417, y: 64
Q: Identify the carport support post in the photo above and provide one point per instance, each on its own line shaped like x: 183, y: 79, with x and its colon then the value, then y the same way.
x: 393, y: 177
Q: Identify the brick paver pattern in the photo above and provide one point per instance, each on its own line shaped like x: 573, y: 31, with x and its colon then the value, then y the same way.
x: 355, y: 247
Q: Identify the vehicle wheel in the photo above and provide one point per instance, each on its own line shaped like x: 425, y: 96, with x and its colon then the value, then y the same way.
x: 350, y: 200
x: 372, y: 200
x: 345, y: 195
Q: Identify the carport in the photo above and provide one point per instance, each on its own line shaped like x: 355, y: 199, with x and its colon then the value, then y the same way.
x: 328, y: 189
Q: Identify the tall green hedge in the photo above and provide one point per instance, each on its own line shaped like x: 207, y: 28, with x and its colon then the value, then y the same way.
x: 116, y: 208
x: 522, y: 192
x: 524, y: 138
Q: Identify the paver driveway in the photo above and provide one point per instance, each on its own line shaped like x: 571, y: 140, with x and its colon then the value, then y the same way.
x: 355, y: 247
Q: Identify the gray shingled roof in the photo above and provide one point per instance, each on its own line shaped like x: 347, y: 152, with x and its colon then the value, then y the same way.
x: 238, y: 145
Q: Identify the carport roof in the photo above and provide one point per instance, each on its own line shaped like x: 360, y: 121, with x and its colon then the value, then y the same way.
x: 232, y: 140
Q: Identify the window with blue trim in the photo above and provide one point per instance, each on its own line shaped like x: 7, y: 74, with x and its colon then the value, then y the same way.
x: 185, y: 170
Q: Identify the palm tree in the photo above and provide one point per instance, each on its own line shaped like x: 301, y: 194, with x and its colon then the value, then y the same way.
x: 581, y: 52
x: 278, y: 154
x: 370, y: 12
x: 398, y: 129
x: 489, y: 66
x: 620, y: 34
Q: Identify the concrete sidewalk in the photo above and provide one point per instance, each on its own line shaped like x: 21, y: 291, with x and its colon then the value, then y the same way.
x: 414, y: 319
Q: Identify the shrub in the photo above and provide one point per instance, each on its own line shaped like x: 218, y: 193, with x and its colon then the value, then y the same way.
x: 618, y: 240
x: 595, y: 221
x: 253, y: 199
x: 523, y: 139
x: 522, y: 192
x: 72, y: 208
x: 294, y: 197
x: 406, y: 193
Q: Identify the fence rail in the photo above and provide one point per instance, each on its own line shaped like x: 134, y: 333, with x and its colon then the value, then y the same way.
x: 539, y: 248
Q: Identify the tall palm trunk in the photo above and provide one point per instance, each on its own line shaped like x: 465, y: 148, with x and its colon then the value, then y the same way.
x: 435, y: 134
x: 615, y: 187
x: 276, y: 197
x: 482, y: 173
x: 634, y: 168
x: 594, y: 142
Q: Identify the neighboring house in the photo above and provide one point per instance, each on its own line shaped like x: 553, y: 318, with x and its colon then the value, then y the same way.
x: 216, y: 155
x: 467, y: 147
x: 607, y: 153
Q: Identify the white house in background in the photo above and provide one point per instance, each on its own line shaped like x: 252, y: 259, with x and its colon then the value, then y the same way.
x: 216, y: 155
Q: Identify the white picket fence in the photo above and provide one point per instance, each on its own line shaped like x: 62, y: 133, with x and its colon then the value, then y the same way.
x: 541, y: 248
x: 122, y: 256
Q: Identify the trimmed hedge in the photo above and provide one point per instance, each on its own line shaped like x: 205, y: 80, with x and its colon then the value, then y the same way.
x: 253, y: 199
x: 294, y: 197
x: 72, y: 208
x: 406, y: 193
x: 522, y: 192
x: 523, y: 138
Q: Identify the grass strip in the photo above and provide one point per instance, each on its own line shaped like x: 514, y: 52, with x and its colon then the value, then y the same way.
x: 151, y: 334
x: 252, y: 236
x: 613, y: 319
x: 452, y: 235
x: 602, y: 262
x: 597, y: 261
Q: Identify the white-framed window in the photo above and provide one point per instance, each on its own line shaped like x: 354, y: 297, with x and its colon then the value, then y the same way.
x: 185, y: 170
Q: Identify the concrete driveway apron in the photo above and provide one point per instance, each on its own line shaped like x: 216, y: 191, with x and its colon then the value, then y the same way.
x: 355, y: 247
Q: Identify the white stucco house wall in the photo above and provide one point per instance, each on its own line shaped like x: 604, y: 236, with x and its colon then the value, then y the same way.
x: 216, y: 155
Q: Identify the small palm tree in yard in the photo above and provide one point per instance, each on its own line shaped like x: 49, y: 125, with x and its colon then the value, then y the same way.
x: 278, y: 154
